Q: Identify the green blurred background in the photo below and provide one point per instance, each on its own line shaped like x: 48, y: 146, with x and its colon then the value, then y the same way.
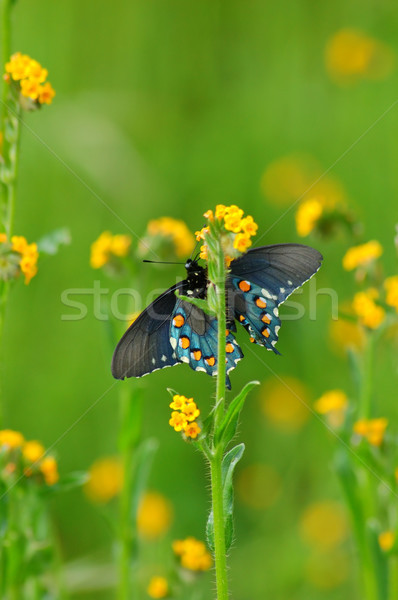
x: 167, y: 108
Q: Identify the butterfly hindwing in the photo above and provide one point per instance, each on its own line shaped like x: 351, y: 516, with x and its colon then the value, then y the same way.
x: 145, y: 346
x: 193, y: 335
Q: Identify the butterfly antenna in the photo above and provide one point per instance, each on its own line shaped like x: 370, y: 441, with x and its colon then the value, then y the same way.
x: 162, y: 262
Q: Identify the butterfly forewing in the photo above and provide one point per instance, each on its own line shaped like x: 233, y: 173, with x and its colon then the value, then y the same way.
x: 145, y: 346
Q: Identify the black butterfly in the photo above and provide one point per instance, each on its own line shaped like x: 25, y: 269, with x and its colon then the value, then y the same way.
x: 171, y: 330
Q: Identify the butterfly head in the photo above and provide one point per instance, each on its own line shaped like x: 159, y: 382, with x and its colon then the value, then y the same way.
x: 196, y: 277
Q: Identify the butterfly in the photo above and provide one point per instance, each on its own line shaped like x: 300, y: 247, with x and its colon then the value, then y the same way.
x: 171, y: 330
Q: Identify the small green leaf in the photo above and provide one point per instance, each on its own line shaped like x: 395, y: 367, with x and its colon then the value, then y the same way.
x: 229, y: 463
x: 229, y: 424
x: 198, y: 302
x: 50, y: 243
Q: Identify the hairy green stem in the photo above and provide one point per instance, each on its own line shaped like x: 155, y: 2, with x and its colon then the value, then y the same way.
x: 220, y: 555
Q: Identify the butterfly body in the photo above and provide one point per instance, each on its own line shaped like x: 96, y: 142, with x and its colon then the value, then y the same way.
x: 172, y: 330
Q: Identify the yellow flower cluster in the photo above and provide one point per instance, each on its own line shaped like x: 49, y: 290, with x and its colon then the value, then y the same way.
x: 175, y: 230
x: 154, y: 516
x: 158, y: 587
x: 386, y: 540
x: 28, y: 255
x: 352, y: 55
x: 308, y: 214
x: 106, y: 246
x: 333, y: 404
x: 371, y: 429
x: 31, y: 78
x: 183, y: 416
x: 105, y: 480
x: 29, y: 456
x: 193, y: 554
x: 370, y: 314
x: 391, y: 287
x: 231, y: 220
x: 362, y: 256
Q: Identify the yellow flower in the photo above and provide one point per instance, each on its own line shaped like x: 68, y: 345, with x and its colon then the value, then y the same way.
x: 203, y: 253
x: 31, y: 78
x: 346, y: 334
x: 193, y: 554
x: 158, y: 587
x: 258, y: 486
x: 249, y: 226
x: 178, y: 421
x: 370, y: 314
x: 221, y: 211
x: 191, y: 411
x: 285, y: 403
x: 371, y: 429
x: 155, y: 514
x: 179, y: 402
x: 11, y: 439
x: 324, y: 525
x: 192, y: 430
x: 361, y: 256
x: 209, y: 215
x: 391, y: 287
x: 386, y: 540
x: 30, y: 255
x: 105, y: 480
x: 33, y: 451
x: 46, y: 93
x: 3, y: 238
x: 352, y: 55
x: 233, y: 219
x: 176, y: 231
x: 242, y: 242
x: 120, y: 245
x: 48, y: 467
x: 333, y: 404
x: 308, y: 214
x: 19, y: 244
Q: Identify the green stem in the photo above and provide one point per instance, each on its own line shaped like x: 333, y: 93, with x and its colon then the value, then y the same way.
x: 5, y: 55
x: 365, y: 403
x: 130, y: 429
x: 393, y: 577
x: 220, y: 554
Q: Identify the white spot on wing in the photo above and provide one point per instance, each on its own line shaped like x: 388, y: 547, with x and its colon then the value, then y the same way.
x: 173, y: 343
x: 164, y: 358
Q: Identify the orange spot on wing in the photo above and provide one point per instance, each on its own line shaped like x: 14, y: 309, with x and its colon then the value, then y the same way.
x: 265, y: 332
x: 185, y: 342
x: 244, y: 286
x: 261, y: 303
x: 252, y: 340
x: 226, y: 332
x: 241, y: 318
x: 265, y: 319
x: 197, y: 354
x: 211, y: 361
x: 178, y: 321
x: 229, y: 348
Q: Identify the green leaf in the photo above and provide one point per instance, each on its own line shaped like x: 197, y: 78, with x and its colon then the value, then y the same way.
x: 50, y: 243
x: 229, y: 424
x: 229, y: 463
x: 199, y: 302
x: 66, y: 482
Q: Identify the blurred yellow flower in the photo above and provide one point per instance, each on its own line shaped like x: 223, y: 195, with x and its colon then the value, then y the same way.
x: 324, y: 525
x: 155, y: 514
x: 49, y: 468
x: 105, y: 480
x: 3, y: 236
x: 370, y: 314
x: 362, y: 256
x: 346, y: 334
x: 295, y: 177
x: 334, y: 404
x: 391, y: 287
x: 33, y: 451
x: 106, y: 246
x: 285, y: 403
x: 28, y: 76
x: 29, y: 256
x: 371, y: 429
x: 352, y: 55
x: 386, y: 540
x: 11, y: 439
x: 308, y: 214
x: 327, y: 570
x: 258, y: 486
x: 193, y: 554
x: 176, y: 231
x: 158, y: 587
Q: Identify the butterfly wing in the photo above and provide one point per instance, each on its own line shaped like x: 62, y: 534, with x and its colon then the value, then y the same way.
x: 145, y: 346
x: 193, y: 336
x: 261, y: 280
